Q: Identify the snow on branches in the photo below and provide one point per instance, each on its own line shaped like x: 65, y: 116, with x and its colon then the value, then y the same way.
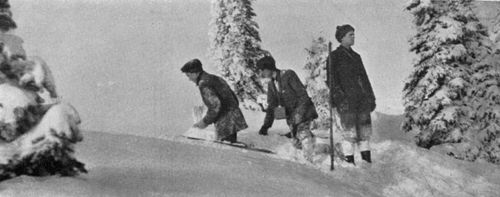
x: 453, y: 93
x: 235, y: 48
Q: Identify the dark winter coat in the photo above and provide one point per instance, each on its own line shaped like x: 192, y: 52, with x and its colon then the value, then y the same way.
x: 223, y: 106
x: 293, y: 96
x: 348, y: 82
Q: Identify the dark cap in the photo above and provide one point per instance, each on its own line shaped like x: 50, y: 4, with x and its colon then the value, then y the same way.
x: 342, y: 31
x: 266, y: 62
x: 193, y: 66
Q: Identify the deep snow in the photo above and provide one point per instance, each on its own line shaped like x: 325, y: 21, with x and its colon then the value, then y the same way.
x: 124, y: 165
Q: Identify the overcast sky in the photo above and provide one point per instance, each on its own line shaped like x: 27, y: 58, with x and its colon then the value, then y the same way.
x: 118, y: 61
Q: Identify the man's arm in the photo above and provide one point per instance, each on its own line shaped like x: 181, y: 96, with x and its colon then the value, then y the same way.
x: 212, y: 101
x: 271, y: 104
x: 301, y: 94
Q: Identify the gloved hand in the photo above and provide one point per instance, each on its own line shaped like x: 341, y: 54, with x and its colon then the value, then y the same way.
x: 200, y: 125
x: 297, y: 118
x: 369, y: 105
x: 343, y: 106
x: 263, y: 131
x: 372, y: 106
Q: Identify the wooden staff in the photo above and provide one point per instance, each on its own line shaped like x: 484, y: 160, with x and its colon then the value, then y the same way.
x: 328, y: 70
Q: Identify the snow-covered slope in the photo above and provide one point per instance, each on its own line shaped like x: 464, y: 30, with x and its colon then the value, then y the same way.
x: 123, y: 165
x: 400, y: 168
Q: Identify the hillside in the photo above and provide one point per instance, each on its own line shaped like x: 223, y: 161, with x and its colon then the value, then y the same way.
x: 125, y: 165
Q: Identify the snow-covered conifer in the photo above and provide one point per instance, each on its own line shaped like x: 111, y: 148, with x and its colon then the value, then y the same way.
x: 235, y: 48
x: 435, y: 92
x: 317, y: 54
x: 453, y: 95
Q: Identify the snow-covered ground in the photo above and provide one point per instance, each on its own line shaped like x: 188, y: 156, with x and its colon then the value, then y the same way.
x: 125, y: 165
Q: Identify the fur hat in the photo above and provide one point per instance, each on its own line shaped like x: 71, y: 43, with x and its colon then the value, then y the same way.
x: 193, y: 66
x: 342, y: 31
x: 266, y: 62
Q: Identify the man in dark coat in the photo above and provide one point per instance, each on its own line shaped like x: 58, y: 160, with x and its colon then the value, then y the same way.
x: 286, y: 90
x: 351, y: 94
x: 223, y: 106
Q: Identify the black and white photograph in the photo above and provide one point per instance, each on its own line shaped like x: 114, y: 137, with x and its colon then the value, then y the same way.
x: 320, y: 98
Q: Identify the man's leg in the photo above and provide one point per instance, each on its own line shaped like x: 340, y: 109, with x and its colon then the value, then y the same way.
x: 293, y: 136
x: 225, y: 131
x: 232, y: 138
x: 306, y: 139
x: 348, y: 150
x: 364, y: 132
x: 349, y: 134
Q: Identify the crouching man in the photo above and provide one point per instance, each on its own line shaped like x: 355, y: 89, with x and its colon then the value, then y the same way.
x: 287, y: 98
x: 223, y: 106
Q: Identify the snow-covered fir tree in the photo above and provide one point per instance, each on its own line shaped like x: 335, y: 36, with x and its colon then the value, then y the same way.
x: 235, y: 48
x: 453, y: 96
x: 37, y: 137
x: 495, y: 32
x: 6, y: 16
x: 435, y: 92
x: 483, y: 140
x: 317, y: 55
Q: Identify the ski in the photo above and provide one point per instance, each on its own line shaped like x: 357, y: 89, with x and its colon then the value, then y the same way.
x: 240, y: 145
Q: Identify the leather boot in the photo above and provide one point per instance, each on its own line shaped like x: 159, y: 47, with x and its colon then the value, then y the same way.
x: 231, y: 138
x: 366, y: 155
x: 349, y: 159
x: 263, y: 131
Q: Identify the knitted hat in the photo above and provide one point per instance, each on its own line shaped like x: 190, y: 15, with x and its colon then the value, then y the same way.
x: 342, y: 31
x: 193, y: 66
x: 266, y: 62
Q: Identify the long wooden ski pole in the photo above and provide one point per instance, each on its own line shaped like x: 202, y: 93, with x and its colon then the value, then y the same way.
x: 332, y: 150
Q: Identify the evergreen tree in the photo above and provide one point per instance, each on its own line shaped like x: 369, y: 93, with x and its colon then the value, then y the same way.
x: 483, y: 141
x: 41, y: 145
x: 453, y: 96
x: 235, y: 48
x: 316, y: 86
x: 495, y: 33
x: 6, y: 21
x: 436, y: 91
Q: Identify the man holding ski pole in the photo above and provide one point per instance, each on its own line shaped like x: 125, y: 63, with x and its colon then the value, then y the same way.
x: 351, y: 94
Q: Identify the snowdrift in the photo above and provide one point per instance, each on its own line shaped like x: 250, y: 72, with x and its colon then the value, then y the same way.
x: 413, y: 171
x: 122, y: 165
x: 400, y: 168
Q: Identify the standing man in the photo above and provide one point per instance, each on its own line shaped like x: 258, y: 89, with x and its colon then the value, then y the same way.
x: 351, y: 93
x: 223, y: 106
x: 287, y: 94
